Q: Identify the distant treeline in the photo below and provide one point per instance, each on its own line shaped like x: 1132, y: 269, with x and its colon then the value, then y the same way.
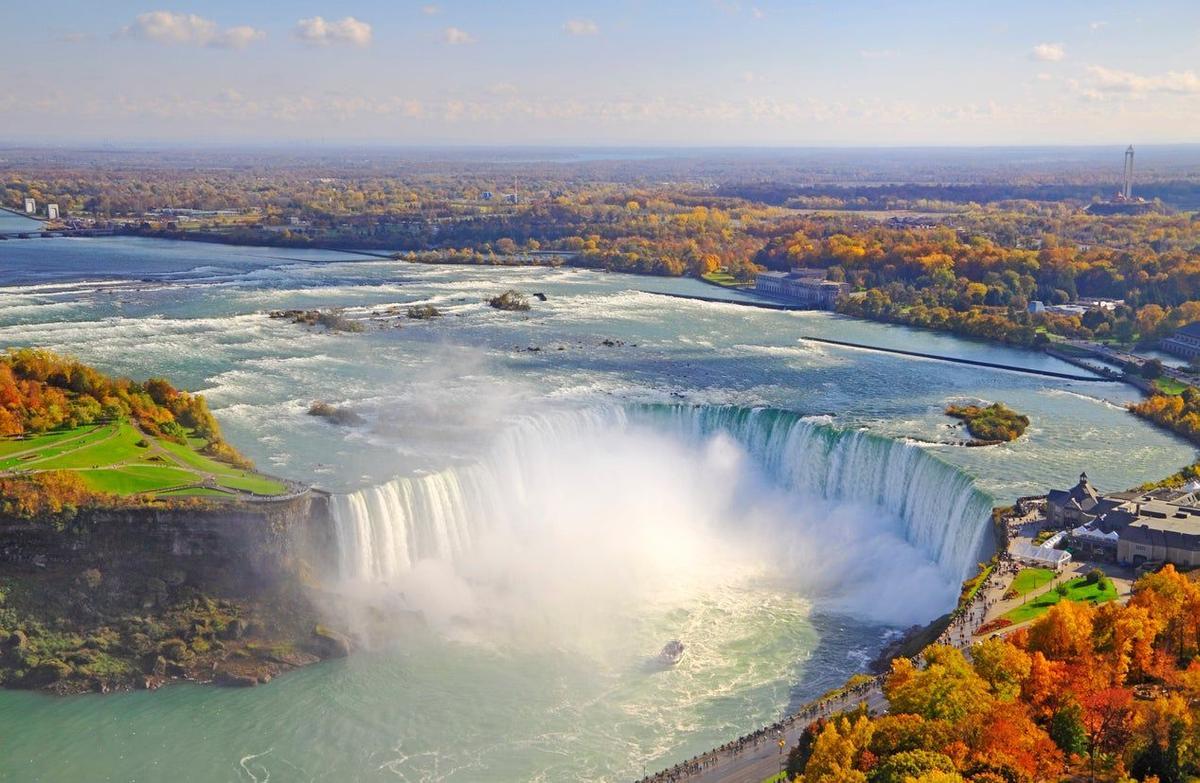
x: 1181, y: 194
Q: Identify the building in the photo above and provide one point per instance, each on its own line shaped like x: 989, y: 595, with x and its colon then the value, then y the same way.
x: 30, y: 206
x: 1162, y: 533
x: 1074, y: 506
x: 1037, y: 306
x: 1185, y: 343
x: 1123, y: 202
x: 803, y: 286
x: 1159, y: 526
x: 52, y: 211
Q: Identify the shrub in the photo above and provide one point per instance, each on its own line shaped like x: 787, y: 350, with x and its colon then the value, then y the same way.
x: 510, y: 300
x: 423, y: 312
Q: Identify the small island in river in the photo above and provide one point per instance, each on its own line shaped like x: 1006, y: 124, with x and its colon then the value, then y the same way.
x: 992, y: 424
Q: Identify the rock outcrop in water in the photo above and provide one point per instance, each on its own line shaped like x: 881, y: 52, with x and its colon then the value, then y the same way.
x: 134, y: 598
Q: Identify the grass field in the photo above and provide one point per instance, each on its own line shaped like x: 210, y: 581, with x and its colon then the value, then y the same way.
x: 1030, y: 579
x: 723, y: 279
x: 1077, y: 590
x: 1169, y: 385
x: 118, y: 458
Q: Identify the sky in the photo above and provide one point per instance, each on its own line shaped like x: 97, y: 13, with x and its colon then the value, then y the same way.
x: 622, y: 72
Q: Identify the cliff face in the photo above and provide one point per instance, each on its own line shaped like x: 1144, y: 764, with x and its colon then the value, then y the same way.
x: 136, y: 597
x: 243, y: 545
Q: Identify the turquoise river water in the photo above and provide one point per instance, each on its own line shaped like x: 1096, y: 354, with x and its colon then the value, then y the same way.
x: 556, y: 493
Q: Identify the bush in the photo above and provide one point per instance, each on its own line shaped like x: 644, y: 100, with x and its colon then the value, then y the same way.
x: 510, y: 300
x: 423, y: 312
x: 1094, y: 576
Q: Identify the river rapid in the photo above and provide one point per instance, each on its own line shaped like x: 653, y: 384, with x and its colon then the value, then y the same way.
x: 555, y: 494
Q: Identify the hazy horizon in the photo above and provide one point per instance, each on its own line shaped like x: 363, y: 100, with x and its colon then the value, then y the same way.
x: 677, y: 73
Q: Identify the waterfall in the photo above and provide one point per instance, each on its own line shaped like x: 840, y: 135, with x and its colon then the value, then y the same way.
x: 383, y: 531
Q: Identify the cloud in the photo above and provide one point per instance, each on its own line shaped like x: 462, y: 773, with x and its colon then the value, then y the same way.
x: 431, y: 9
x: 1049, y: 52
x: 581, y: 27
x: 318, y: 32
x: 1107, y: 81
x: 239, y: 37
x: 1094, y: 26
x: 456, y: 37
x: 167, y: 27
x: 73, y: 38
x: 757, y: 13
x: 876, y: 54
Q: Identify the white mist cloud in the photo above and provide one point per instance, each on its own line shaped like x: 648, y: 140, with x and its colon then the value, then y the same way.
x: 581, y: 27
x: 319, y: 32
x: 1049, y: 52
x: 457, y: 37
x: 168, y: 27
x: 1106, y: 81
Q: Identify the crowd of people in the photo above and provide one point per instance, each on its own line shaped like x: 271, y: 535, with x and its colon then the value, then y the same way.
x: 821, y: 708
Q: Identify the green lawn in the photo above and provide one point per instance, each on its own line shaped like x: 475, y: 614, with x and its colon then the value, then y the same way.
x: 1077, y: 590
x: 1169, y: 385
x: 723, y: 279
x: 135, y: 479
x: 54, y: 444
x: 110, y: 459
x: 1030, y: 579
x: 121, y: 447
x: 15, y: 445
x: 252, y: 482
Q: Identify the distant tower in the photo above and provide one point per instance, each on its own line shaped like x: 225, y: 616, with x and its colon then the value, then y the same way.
x: 1127, y: 192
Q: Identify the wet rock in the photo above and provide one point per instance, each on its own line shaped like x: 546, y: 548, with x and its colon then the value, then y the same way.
x: 156, y: 593
x: 234, y: 629
x: 231, y: 680
x: 329, y: 643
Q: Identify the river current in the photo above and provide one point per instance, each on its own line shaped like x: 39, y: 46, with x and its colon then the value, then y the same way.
x: 557, y: 493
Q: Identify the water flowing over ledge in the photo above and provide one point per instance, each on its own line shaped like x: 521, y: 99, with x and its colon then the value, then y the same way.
x: 383, y: 531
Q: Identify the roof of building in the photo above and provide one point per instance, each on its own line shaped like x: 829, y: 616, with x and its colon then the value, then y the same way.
x: 1082, y: 496
x: 1191, y: 330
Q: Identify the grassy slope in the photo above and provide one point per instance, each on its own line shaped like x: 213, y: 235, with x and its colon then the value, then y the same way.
x: 110, y: 459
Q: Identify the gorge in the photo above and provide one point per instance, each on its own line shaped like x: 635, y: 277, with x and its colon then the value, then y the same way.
x: 511, y: 534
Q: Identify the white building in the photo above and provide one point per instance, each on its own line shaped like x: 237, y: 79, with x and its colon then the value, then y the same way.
x: 52, y: 211
x: 801, y: 287
x: 30, y: 206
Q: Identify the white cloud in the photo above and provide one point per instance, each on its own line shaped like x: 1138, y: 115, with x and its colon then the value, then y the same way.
x: 876, y: 54
x: 757, y: 13
x: 1045, y: 77
x: 1107, y: 81
x: 238, y: 37
x: 431, y: 9
x: 1049, y: 52
x: 167, y: 27
x: 456, y: 37
x: 581, y: 27
x: 318, y: 32
x: 1094, y: 26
